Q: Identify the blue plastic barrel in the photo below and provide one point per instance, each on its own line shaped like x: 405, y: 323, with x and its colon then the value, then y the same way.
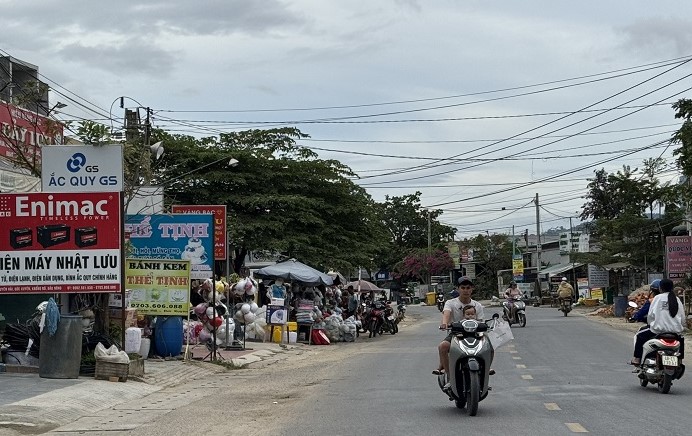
x: 168, y: 335
x: 620, y: 305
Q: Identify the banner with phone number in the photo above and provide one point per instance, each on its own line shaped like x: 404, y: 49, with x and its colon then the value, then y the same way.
x: 158, y: 286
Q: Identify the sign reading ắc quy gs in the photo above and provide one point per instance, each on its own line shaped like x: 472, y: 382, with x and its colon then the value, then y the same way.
x: 219, y: 213
x: 55, y: 243
x: 85, y: 168
x: 174, y: 237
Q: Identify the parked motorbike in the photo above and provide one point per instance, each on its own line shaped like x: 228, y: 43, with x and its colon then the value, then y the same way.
x: 470, y: 357
x: 661, y: 362
x: 440, y: 299
x: 400, y: 312
x: 566, y: 306
x: 388, y: 323
x: 516, y: 316
x: 375, y: 319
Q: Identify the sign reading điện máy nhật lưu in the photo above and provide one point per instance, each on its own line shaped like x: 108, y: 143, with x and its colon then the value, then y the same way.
x: 52, y: 243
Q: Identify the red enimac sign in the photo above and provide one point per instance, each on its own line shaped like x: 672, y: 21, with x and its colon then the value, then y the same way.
x: 51, y: 242
x: 25, y: 131
x: 678, y: 257
x: 219, y: 213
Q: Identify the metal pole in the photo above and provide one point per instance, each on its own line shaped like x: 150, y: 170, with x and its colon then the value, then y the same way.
x: 571, y: 258
x: 123, y: 293
x: 538, y: 237
x: 429, y: 235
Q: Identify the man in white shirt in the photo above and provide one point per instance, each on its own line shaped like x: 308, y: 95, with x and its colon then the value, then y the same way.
x: 454, y: 312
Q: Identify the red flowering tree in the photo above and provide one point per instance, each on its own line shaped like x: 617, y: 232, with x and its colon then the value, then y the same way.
x: 420, y: 265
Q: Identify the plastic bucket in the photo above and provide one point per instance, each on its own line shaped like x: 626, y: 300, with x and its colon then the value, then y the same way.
x: 292, y: 326
x: 60, y: 354
x: 133, y: 339
x: 145, y: 347
x: 169, y: 336
x: 292, y: 337
x: 620, y: 305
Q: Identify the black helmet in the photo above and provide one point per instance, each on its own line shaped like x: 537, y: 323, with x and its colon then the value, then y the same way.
x: 512, y: 283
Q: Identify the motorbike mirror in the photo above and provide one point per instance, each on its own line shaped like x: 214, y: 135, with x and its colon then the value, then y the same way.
x: 632, y: 304
x: 496, y: 315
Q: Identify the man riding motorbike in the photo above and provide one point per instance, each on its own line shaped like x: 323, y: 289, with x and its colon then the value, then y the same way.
x: 453, y: 312
x: 512, y: 293
x: 564, y: 291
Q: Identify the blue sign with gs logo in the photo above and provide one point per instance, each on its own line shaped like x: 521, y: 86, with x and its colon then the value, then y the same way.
x: 76, y: 162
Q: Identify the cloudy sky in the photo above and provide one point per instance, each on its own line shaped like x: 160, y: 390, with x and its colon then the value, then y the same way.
x: 478, y: 105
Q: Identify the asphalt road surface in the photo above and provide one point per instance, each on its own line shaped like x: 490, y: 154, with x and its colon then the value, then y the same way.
x: 561, y: 375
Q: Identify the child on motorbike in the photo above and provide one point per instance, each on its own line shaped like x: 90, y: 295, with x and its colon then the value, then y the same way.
x: 469, y: 312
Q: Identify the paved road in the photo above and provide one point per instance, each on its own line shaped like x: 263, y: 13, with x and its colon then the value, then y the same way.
x: 561, y: 375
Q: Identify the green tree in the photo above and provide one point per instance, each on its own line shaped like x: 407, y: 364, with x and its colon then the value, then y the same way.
x: 491, y: 253
x: 281, y: 198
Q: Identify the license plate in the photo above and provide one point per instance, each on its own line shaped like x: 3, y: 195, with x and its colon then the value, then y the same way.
x: 669, y: 360
x: 391, y: 318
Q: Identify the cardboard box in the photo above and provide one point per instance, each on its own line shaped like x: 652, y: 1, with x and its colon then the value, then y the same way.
x: 130, y: 317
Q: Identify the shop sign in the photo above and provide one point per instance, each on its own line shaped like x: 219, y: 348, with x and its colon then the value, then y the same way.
x: 85, y: 168
x: 219, y: 213
x: 455, y: 254
x: 598, y: 277
x: 678, y: 257
x: 26, y: 131
x: 276, y: 314
x: 53, y: 243
x: 174, y: 237
x: 597, y: 293
x: 158, y: 286
x: 518, y: 267
x: 583, y: 287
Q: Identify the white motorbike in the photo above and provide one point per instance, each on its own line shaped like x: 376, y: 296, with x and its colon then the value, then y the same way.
x: 661, y: 363
x: 516, y: 316
x: 470, y: 356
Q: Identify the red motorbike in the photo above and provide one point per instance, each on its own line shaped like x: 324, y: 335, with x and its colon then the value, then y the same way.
x: 375, y: 318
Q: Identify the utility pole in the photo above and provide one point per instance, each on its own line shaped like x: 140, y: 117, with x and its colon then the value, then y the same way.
x: 571, y: 259
x: 429, y: 235
x: 538, y: 236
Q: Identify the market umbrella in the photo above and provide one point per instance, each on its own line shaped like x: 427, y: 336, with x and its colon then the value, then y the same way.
x: 365, y: 286
x: 294, y: 271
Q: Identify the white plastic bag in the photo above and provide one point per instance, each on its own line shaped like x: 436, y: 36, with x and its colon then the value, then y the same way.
x: 112, y: 354
x: 500, y: 334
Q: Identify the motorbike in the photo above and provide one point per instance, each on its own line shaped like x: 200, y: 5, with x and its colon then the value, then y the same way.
x: 440, y: 300
x: 565, y: 306
x: 389, y: 321
x: 518, y: 316
x: 661, y: 362
x: 400, y: 312
x: 470, y: 357
x: 375, y: 319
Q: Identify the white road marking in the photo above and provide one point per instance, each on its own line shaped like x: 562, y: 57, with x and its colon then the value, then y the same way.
x: 575, y: 427
x: 552, y: 406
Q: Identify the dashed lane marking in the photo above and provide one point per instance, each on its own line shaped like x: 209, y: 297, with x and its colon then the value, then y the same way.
x: 521, y: 366
x: 516, y: 357
x: 575, y: 427
x: 552, y: 406
x: 527, y: 377
x: 535, y: 389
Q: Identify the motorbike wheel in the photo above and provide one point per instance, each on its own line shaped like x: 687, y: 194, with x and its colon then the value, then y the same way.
x: 665, y: 384
x: 473, y: 394
x: 522, y: 320
x: 643, y: 382
x: 371, y: 328
x: 393, y: 329
x: 565, y: 311
x: 460, y: 403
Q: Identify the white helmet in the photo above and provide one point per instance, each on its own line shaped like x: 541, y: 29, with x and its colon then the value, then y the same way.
x: 564, y: 279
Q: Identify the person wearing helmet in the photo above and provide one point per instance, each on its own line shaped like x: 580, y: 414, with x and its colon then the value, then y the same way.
x: 654, y: 289
x: 564, y: 290
x: 453, y: 312
x: 666, y: 315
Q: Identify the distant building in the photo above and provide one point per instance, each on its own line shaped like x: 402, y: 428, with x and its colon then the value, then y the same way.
x: 571, y: 242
